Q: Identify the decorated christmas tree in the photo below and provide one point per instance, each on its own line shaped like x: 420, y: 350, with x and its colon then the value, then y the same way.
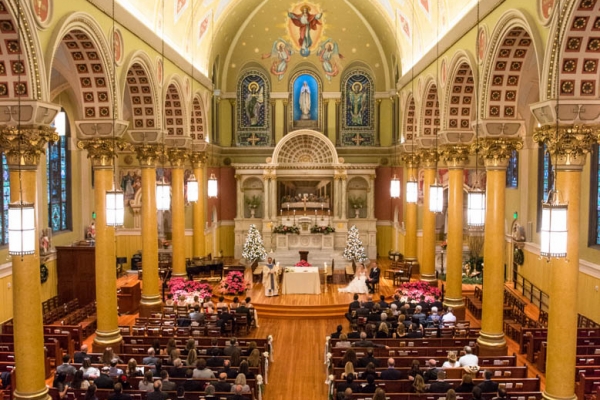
x: 254, y: 248
x: 354, y: 248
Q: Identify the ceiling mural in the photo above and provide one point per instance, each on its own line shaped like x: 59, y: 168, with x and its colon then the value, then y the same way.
x: 277, y: 32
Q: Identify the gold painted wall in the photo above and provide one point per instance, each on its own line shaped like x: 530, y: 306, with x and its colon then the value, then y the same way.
x: 385, y: 237
x: 6, y: 311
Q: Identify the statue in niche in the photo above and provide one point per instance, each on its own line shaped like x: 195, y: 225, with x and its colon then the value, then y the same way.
x: 305, y: 101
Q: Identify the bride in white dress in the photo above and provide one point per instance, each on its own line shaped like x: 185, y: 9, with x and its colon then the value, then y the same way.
x: 358, y: 284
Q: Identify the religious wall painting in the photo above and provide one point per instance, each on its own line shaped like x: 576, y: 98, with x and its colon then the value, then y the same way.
x: 330, y: 58
x: 481, y: 43
x: 426, y: 8
x: 117, y: 45
x: 180, y: 7
x: 405, y: 24
x: 203, y: 25
x: 253, y: 109
x: 358, y: 109
x: 305, y: 27
x: 444, y: 71
x: 545, y: 10
x: 281, y: 53
x: 159, y: 71
x: 42, y: 10
x: 130, y: 181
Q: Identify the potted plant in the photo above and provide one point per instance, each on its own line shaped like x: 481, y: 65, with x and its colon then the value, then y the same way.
x: 357, y: 203
x: 253, y: 203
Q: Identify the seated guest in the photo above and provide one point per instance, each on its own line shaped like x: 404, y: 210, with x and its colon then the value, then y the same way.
x: 432, y: 371
x: 349, y: 356
x: 418, y: 385
x: 157, y: 393
x: 466, y: 386
x: 449, y: 317
x: 423, y: 304
x: 190, y: 384
x: 195, y: 302
x: 382, y: 303
x: 348, y: 370
x: 452, y: 362
x: 181, y: 301
x: 349, y: 383
x: 235, y: 303
x: 89, y: 372
x: 170, y: 302
x: 369, y: 358
x: 191, y: 358
x: 225, y: 318
x: 201, y: 372
x: 241, y: 381
x: 222, y: 385
x: 488, y: 385
x: 118, y: 393
x: 146, y: 384
x: 337, y: 333
x: 79, y: 382
x: 501, y: 394
x: 233, y: 347
x: 214, y: 347
x: 208, y: 303
x: 167, y: 385
x: 132, y: 369
x: 65, y: 367
x: 363, y: 342
x: 469, y: 359
x: 439, y: 385
x: 114, y: 370
x: 81, y: 354
x: 400, y: 331
x: 354, y: 334
x: 419, y: 316
x: 450, y: 394
x: 245, y: 369
x: 370, y: 386
x: 60, y: 383
x: 221, y: 304
x: 90, y: 394
x: 383, y: 331
x: 237, y: 391
x: 380, y: 394
x: 433, y: 320
x: 415, y: 369
x: 196, y: 315
x: 415, y: 331
x: 209, y: 392
x: 254, y: 358
x: 369, y: 371
x: 343, y: 342
x: 214, y: 360
x: 476, y: 394
x: 177, y: 370
x: 104, y: 381
x: 391, y: 373
x: 151, y: 358
x: 230, y: 372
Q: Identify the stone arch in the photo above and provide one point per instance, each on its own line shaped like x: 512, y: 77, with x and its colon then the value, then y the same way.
x: 79, y: 45
x: 174, y: 109
x: 460, y: 97
x: 305, y: 68
x: 141, y: 96
x: 20, y: 64
x: 513, y: 50
x: 304, y: 147
x: 430, y: 110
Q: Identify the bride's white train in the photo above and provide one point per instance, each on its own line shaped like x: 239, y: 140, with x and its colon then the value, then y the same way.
x: 358, y: 284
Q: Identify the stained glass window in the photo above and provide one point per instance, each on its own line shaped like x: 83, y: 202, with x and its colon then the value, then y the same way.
x: 58, y: 170
x: 512, y: 172
x: 5, y: 201
x: 594, y: 234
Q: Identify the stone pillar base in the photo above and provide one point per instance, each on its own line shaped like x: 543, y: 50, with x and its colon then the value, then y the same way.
x: 150, y: 305
x: 458, y: 307
x: 431, y: 279
x: 492, y: 344
x: 178, y: 274
x: 41, y: 395
x: 106, y: 339
x: 547, y: 396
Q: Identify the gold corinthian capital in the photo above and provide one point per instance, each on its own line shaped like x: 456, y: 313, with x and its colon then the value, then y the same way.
x: 23, y: 146
x: 569, y: 144
x: 102, y: 152
x: 455, y: 155
x: 496, y: 151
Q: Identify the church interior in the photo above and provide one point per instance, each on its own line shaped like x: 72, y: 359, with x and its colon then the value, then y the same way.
x: 153, y: 143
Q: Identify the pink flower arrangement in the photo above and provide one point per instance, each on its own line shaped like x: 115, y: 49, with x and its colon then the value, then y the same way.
x: 412, y: 292
x: 182, y: 286
x: 234, y: 283
x: 303, y: 263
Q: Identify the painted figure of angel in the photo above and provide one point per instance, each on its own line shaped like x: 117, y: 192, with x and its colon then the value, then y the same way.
x: 305, y: 22
x: 358, y: 102
x: 254, y: 102
x: 330, y: 57
x: 281, y: 51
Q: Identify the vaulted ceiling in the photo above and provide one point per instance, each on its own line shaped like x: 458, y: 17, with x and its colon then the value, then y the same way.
x: 389, y: 36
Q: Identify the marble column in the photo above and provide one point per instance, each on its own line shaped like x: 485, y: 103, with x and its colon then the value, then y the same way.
x: 22, y: 150
x: 411, y: 161
x: 199, y: 247
x: 568, y: 149
x: 177, y: 158
x: 496, y: 154
x: 429, y: 159
x: 344, y: 195
x: 455, y: 157
x: 151, y: 302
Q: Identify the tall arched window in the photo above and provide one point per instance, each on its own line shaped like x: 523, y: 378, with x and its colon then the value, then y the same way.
x: 58, y: 169
x: 545, y: 180
x: 512, y: 172
x: 594, y: 234
x: 5, y: 201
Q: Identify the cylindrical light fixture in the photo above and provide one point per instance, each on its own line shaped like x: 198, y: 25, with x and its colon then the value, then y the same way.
x: 21, y: 229
x: 213, y: 188
x: 115, y: 209
x: 192, y: 188
x: 554, y: 227
x: 436, y: 197
x: 412, y: 191
x: 395, y: 187
x: 476, y: 208
x: 163, y: 196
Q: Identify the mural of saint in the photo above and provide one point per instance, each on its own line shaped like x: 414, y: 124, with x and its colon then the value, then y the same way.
x: 330, y: 57
x: 358, y: 102
x: 254, y: 102
x: 41, y: 8
x: 282, y: 52
x: 131, y: 180
x: 305, y: 22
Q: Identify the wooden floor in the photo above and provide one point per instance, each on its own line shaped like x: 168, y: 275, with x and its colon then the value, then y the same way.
x: 298, y: 365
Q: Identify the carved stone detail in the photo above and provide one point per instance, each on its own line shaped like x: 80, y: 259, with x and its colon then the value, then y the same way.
x: 149, y: 154
x: 177, y: 157
x: 429, y: 158
x: 496, y: 151
x: 568, y: 144
x: 455, y: 155
x: 23, y: 146
x: 197, y: 158
x: 102, y: 152
x: 411, y: 160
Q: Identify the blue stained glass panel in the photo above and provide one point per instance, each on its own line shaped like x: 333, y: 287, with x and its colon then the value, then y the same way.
x: 548, y: 176
x: 597, y: 153
x: 512, y: 172
x: 58, y: 170
x: 5, y: 200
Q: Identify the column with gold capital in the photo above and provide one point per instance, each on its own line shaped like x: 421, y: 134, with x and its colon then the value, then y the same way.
x: 22, y: 149
x: 568, y: 147
x: 411, y: 160
x: 456, y: 157
x: 495, y: 152
x: 177, y: 158
x: 429, y: 158
x: 147, y: 155
x: 102, y: 153
x: 199, y: 249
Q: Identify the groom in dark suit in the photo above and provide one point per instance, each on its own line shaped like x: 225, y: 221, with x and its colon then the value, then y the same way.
x: 373, y: 278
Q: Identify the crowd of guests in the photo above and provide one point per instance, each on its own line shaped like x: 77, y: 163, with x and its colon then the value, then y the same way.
x: 180, y: 363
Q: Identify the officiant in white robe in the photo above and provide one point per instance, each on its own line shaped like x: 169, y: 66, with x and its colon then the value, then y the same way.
x: 271, y: 278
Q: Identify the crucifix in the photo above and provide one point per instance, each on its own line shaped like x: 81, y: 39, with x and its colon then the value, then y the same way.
x: 253, y: 139
x: 358, y: 139
x: 304, y: 198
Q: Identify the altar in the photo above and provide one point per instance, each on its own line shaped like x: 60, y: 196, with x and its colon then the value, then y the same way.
x: 301, y: 280
x: 315, y: 241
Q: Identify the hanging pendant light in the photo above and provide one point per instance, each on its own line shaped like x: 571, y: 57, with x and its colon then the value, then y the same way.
x: 192, y: 188
x: 21, y: 229
x: 554, y: 227
x: 395, y: 187
x: 213, y: 188
x: 412, y: 191
x: 476, y: 208
x: 163, y: 196
x: 436, y: 197
x: 115, y: 210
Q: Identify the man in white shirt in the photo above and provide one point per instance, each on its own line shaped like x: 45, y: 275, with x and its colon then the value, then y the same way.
x: 449, y: 316
x: 469, y: 359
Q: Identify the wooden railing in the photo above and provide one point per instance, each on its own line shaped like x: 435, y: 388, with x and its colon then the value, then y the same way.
x: 535, y: 295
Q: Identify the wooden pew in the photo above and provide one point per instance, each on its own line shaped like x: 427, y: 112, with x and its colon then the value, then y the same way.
x: 104, y: 394
x: 504, y: 361
x: 456, y: 373
x: 8, y: 358
x: 424, y: 342
x: 442, y: 396
x: 587, y: 386
x: 53, y: 351
x: 527, y: 333
x: 64, y: 340
x: 200, y: 341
